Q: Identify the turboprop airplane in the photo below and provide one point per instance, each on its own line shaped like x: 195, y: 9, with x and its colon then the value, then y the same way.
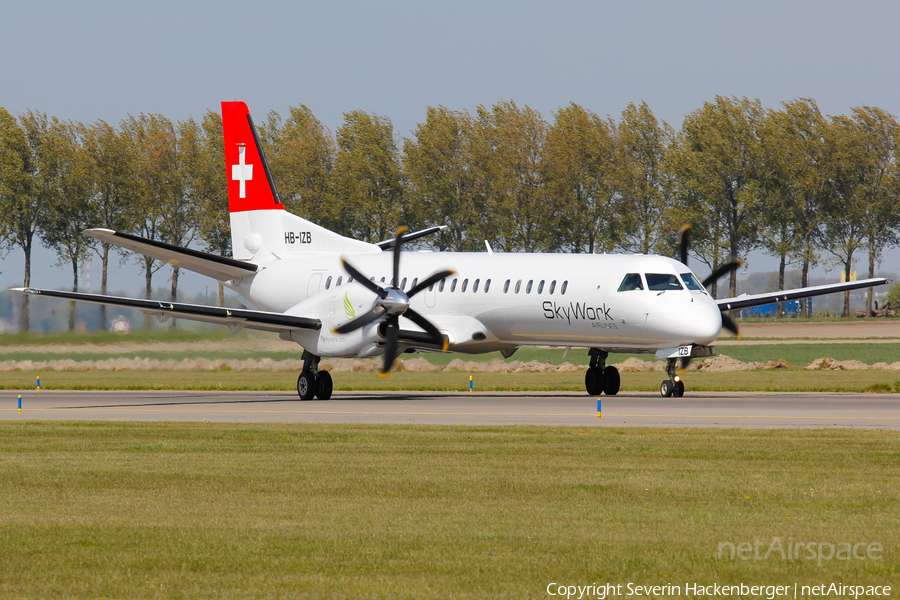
x: 340, y: 297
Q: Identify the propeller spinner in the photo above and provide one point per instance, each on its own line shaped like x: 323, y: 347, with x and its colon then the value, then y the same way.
x: 717, y: 273
x: 392, y: 303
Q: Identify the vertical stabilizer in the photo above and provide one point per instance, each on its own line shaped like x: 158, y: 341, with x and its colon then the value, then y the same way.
x: 260, y: 227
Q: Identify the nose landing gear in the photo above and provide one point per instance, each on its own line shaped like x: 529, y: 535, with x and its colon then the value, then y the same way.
x: 673, y: 386
x: 600, y: 378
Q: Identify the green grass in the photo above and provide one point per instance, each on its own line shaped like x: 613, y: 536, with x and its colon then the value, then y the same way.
x: 793, y: 380
x: 798, y: 355
x: 193, y: 510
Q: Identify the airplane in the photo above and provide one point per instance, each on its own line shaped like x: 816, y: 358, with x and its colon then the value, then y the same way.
x: 340, y: 297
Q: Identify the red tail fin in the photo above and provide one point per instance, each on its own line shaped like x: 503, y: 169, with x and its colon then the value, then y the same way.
x: 250, y: 184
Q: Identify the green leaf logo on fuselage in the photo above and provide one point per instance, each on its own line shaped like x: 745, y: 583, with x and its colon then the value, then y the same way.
x: 348, y: 308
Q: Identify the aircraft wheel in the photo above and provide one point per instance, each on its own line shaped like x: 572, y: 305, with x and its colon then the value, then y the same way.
x: 611, y: 387
x: 325, y: 386
x: 678, y: 392
x: 594, y: 381
x: 666, y: 388
x: 307, y: 386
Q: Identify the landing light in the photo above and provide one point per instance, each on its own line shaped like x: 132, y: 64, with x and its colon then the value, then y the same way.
x: 677, y: 379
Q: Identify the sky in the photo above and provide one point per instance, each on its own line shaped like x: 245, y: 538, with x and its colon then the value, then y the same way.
x: 97, y: 60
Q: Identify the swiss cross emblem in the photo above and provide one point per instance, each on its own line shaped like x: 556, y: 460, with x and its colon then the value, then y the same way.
x: 242, y: 172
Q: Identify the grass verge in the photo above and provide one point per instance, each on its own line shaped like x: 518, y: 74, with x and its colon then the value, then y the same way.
x: 190, y: 510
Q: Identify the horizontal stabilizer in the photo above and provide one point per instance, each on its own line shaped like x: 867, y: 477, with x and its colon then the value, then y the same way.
x: 807, y: 292
x: 235, y: 318
x: 212, y: 265
x: 408, y: 237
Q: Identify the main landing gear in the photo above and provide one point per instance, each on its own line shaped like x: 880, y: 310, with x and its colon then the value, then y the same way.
x: 673, y: 386
x: 313, y: 383
x: 599, y: 378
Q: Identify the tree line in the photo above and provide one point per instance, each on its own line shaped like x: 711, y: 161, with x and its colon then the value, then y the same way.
x: 800, y: 185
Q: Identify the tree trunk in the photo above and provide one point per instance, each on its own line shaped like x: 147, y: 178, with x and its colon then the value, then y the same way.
x: 25, y: 325
x: 148, y: 290
x: 804, y: 278
x: 74, y: 289
x: 104, y: 257
x: 847, y: 266
x: 174, y: 294
x: 781, y: 268
x: 870, y: 291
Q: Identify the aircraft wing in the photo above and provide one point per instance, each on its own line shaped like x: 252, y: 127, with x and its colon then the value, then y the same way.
x: 746, y: 301
x: 211, y: 265
x: 234, y: 318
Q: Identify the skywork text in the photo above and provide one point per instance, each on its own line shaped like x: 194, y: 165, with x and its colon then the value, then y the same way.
x: 579, y: 311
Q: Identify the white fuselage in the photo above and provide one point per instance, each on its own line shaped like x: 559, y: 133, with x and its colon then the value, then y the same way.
x: 497, y: 301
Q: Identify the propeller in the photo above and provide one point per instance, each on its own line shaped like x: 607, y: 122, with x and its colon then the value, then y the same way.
x: 717, y: 273
x: 391, y: 304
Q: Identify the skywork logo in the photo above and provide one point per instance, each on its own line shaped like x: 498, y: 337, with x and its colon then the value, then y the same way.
x: 348, y: 307
x: 580, y: 312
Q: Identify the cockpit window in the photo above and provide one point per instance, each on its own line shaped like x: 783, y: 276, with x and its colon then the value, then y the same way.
x: 660, y: 282
x: 632, y: 281
x: 691, y: 283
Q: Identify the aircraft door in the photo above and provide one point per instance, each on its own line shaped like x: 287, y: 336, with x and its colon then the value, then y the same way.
x: 315, y: 284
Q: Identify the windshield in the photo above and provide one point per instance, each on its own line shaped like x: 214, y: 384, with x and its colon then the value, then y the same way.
x: 662, y: 281
x: 631, y: 282
x: 691, y: 283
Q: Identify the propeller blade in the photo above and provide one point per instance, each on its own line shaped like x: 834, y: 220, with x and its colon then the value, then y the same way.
x: 424, y: 284
x: 372, y: 315
x: 362, y: 279
x: 729, y: 324
x: 398, y: 242
x: 684, y: 238
x: 430, y: 329
x: 685, y: 361
x: 392, y: 329
x: 721, y: 270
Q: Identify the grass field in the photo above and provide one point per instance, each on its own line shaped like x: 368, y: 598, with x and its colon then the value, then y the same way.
x: 156, y: 510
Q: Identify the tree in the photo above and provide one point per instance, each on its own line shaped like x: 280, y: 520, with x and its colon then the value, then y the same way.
x: 112, y: 170
x: 66, y: 191
x: 210, y: 190
x: 845, y: 224
x: 717, y: 160
x: 646, y: 185
x: 878, y: 135
x: 800, y: 152
x: 584, y: 176
x: 508, y: 153
x: 20, y: 195
x: 301, y: 154
x: 441, y: 187
x: 367, y: 194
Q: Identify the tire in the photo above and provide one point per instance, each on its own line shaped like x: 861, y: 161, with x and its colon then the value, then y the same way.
x: 594, y: 381
x: 611, y: 386
x: 678, y: 392
x: 307, y: 386
x: 325, y: 386
x: 666, y: 388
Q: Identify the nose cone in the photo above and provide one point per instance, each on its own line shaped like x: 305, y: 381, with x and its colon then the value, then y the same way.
x: 701, y: 322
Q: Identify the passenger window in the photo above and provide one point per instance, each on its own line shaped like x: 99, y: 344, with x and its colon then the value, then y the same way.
x: 415, y: 281
x: 528, y: 287
x: 506, y: 287
x: 465, y: 284
x: 565, y: 284
x: 441, y: 285
x: 328, y: 282
x: 338, y: 284
x: 661, y: 282
x: 453, y: 286
x: 541, y: 287
x: 487, y: 286
x: 631, y: 282
x: 475, y: 285
x: 552, y: 286
x: 518, y: 286
x: 403, y: 284
x: 691, y: 283
x: 351, y: 280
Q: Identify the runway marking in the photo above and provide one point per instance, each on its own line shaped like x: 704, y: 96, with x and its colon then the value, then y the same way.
x: 461, y: 414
